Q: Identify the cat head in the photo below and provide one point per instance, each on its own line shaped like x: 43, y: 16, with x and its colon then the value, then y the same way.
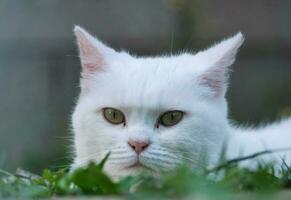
x: 151, y: 112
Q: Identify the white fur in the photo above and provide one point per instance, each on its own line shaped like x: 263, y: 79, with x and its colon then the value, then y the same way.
x: 143, y: 88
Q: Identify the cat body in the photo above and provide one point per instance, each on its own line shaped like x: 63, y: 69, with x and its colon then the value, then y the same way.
x: 125, y: 102
x: 273, y: 137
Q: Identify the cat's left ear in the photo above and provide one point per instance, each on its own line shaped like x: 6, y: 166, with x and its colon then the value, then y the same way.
x: 94, y: 54
x: 216, y: 62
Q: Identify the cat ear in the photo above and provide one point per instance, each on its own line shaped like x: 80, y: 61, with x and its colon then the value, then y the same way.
x: 217, y: 60
x: 93, y: 53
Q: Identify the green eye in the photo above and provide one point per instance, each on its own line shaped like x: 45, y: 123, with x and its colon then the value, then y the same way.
x: 113, y: 116
x: 171, y: 118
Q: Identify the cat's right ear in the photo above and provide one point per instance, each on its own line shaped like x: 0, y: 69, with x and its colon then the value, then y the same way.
x: 93, y: 53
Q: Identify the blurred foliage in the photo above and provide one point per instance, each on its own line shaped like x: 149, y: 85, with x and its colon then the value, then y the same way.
x: 180, y: 183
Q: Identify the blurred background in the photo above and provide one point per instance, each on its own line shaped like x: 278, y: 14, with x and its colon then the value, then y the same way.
x: 39, y: 67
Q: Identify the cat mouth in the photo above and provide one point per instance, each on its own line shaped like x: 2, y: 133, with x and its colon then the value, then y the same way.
x: 138, y: 165
x: 135, y: 165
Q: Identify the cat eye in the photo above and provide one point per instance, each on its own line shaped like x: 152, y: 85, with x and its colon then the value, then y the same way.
x: 171, y: 118
x: 113, y: 116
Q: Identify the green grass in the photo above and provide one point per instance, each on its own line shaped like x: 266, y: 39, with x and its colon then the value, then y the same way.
x: 220, y: 183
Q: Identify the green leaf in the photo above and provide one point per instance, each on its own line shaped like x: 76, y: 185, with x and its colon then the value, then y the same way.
x: 92, y: 180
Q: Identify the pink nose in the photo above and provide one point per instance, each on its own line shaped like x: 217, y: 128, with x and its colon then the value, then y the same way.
x: 138, y: 146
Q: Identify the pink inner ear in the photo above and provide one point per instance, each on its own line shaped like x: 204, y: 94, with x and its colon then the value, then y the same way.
x: 91, y: 58
x: 215, y: 79
x: 89, y: 68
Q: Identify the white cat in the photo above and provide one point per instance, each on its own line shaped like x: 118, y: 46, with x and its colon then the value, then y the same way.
x: 159, y: 112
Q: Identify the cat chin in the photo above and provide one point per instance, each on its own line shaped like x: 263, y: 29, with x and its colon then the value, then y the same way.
x: 117, y: 173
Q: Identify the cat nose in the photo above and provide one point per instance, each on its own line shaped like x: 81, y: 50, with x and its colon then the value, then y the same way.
x: 138, y: 146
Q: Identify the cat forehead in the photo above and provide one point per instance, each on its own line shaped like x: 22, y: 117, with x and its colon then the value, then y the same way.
x: 160, y: 69
x: 148, y: 82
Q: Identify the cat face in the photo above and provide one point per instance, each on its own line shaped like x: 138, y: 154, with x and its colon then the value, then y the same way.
x: 150, y: 113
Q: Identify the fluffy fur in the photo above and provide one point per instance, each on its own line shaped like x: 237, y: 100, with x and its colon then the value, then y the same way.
x: 143, y: 88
